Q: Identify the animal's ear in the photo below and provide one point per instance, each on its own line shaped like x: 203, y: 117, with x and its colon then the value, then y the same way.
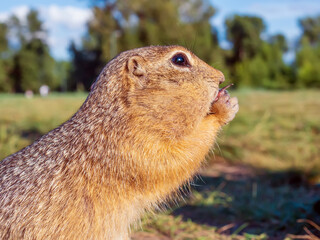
x: 136, y: 70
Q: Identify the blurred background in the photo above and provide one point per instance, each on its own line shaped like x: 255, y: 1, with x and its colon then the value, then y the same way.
x: 262, y: 179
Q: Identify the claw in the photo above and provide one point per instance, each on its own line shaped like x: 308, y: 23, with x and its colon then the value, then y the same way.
x: 221, y: 91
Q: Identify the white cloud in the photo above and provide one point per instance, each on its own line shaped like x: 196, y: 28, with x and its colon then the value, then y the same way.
x: 63, y: 24
x: 20, y: 12
x: 68, y: 16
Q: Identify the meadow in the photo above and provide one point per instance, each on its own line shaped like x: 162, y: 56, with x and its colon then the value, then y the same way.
x: 261, y: 180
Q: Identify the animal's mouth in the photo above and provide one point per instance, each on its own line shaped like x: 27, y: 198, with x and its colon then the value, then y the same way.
x: 220, y: 93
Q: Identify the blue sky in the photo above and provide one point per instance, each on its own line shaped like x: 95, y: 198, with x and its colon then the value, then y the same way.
x: 65, y: 19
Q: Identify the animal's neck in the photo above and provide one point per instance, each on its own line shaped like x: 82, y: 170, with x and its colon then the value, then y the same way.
x: 132, y: 159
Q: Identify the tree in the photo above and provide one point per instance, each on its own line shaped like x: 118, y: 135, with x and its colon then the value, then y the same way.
x: 244, y: 32
x: 255, y: 62
x: 311, y: 29
x: 85, y: 67
x: 279, y: 73
x: 308, y: 54
x: 5, y: 84
x: 32, y: 66
x: 307, y: 65
x: 3, y: 38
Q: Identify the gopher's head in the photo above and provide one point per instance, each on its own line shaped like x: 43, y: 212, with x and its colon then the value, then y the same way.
x: 164, y: 89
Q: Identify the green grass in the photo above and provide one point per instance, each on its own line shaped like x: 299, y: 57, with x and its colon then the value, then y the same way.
x: 259, y: 182
x: 24, y: 120
x: 276, y: 131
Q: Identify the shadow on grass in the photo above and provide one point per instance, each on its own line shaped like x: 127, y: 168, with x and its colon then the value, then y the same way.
x: 13, y: 138
x: 31, y: 134
x: 269, y: 202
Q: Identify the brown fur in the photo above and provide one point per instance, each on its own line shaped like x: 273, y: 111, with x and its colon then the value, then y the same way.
x: 142, y: 132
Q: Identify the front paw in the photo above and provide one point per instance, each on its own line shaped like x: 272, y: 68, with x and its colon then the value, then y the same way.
x: 225, y: 108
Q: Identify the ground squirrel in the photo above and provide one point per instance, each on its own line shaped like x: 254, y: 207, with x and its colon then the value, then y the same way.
x: 148, y: 122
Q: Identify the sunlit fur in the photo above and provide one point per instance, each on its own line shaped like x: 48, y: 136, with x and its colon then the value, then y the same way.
x: 142, y: 132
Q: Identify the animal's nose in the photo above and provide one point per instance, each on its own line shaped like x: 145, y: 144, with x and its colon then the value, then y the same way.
x: 217, y: 75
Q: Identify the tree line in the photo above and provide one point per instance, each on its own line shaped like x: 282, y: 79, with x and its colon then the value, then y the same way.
x: 254, y: 59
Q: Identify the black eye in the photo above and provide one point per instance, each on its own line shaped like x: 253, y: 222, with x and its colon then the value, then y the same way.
x: 181, y: 60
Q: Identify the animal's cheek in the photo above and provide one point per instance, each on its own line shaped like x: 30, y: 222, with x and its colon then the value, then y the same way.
x: 213, y: 94
x: 212, y: 91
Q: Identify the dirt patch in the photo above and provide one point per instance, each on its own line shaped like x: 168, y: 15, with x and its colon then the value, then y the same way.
x: 148, y: 236
x: 220, y: 168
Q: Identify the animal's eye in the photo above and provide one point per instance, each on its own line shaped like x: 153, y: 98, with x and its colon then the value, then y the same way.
x: 181, y: 60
